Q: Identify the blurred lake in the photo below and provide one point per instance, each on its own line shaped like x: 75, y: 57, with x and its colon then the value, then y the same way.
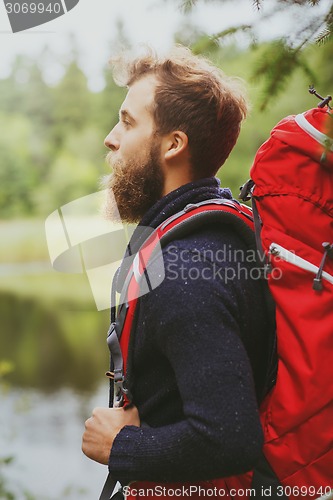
x: 53, y: 356
x: 43, y: 433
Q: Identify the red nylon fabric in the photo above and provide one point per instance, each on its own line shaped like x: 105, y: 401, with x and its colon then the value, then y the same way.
x: 294, y: 195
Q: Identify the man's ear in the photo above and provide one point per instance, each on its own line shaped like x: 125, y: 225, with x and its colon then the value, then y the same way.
x: 176, y: 143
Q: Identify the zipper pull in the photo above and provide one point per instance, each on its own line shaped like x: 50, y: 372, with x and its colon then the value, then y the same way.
x: 274, y: 250
x: 328, y: 251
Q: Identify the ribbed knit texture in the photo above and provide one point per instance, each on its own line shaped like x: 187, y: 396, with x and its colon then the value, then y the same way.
x: 188, y: 369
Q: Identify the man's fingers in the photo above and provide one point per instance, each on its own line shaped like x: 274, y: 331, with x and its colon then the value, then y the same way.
x: 102, y: 428
x: 88, y: 422
x: 96, y: 411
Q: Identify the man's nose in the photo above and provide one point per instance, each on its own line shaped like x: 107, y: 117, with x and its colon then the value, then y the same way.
x: 111, y: 141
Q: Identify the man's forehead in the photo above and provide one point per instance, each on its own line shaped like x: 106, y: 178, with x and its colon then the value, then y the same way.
x: 140, y: 97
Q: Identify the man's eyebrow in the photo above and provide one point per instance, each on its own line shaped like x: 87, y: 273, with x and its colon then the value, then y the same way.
x: 124, y: 114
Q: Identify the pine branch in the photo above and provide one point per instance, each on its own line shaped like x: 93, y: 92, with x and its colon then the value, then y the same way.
x: 284, y: 56
x: 207, y: 43
x: 307, y: 32
x: 300, y: 2
x: 204, y: 44
x: 307, y: 70
x: 324, y: 36
x: 275, y: 66
x: 188, y: 5
x: 327, y: 33
x: 231, y: 31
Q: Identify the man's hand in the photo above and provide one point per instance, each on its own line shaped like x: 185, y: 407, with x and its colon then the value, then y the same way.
x: 102, y: 428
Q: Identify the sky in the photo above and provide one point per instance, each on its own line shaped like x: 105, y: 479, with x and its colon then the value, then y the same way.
x: 93, y: 24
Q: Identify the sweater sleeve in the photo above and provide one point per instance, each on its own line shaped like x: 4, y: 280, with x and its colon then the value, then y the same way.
x: 195, y: 321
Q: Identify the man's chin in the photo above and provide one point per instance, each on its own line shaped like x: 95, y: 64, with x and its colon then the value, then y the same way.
x: 110, y: 210
x: 113, y: 211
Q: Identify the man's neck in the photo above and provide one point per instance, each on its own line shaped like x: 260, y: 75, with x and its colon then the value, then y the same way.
x: 178, y: 179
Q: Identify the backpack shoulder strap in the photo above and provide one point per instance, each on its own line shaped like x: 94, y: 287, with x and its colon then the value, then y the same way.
x: 192, y: 217
x: 195, y: 215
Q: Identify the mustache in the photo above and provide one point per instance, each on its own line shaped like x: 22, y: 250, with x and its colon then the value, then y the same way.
x: 109, y: 158
x: 115, y: 164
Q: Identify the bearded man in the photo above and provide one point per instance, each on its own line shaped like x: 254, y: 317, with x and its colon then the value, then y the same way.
x: 198, y: 347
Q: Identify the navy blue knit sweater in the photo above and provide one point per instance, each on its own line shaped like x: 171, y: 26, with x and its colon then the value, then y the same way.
x: 191, y: 375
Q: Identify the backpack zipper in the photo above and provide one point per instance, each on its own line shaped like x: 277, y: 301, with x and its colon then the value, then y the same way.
x: 296, y: 260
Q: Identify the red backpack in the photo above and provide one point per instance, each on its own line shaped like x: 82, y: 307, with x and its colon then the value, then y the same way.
x: 292, y: 193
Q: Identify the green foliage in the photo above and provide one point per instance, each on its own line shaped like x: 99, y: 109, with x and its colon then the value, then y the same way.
x: 5, y: 491
x: 255, y: 130
x: 23, y: 240
x: 187, y: 5
x: 208, y: 43
x: 283, y: 56
x: 274, y: 67
x: 6, y: 367
x: 16, y: 155
x: 71, y: 103
x: 51, y: 144
x: 69, y: 178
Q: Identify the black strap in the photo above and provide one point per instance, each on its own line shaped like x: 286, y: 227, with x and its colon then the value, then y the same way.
x: 118, y: 362
x: 118, y: 398
x: 264, y: 480
x: 257, y: 230
x: 246, y: 194
x: 108, y: 490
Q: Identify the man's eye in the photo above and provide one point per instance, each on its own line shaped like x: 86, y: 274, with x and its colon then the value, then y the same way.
x: 126, y: 123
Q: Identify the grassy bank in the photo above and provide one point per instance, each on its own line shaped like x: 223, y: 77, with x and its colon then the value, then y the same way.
x: 23, y: 240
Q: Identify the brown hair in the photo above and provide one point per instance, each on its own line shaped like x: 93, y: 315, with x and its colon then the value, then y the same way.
x: 195, y: 97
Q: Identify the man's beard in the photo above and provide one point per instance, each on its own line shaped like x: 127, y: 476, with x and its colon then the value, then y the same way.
x: 134, y: 186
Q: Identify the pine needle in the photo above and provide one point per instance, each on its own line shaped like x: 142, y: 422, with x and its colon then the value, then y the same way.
x: 274, y: 67
x: 188, y: 5
x: 324, y: 36
x: 208, y: 43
